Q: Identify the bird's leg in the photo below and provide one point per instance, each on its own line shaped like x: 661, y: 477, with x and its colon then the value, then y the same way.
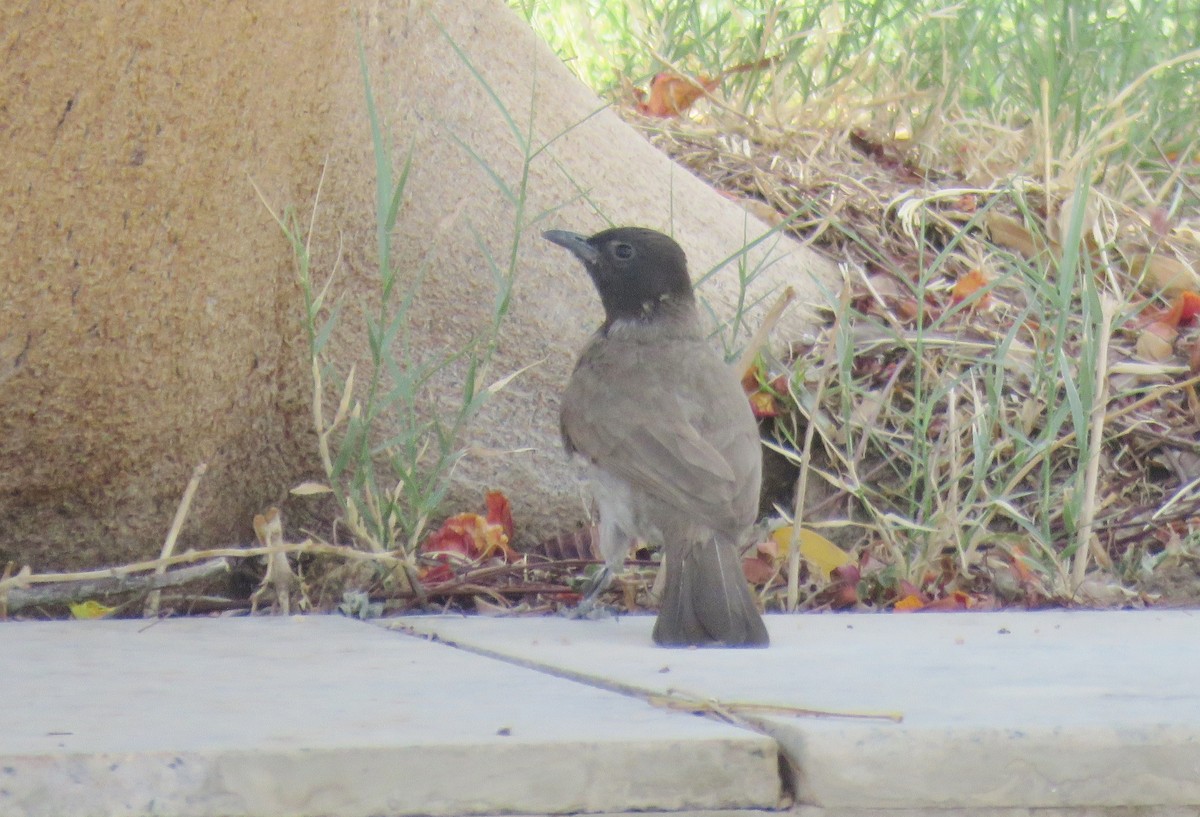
x: 597, y: 584
x: 614, y: 546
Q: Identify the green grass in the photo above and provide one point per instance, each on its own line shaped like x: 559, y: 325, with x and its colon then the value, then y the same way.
x: 388, y: 438
x: 389, y: 435
x: 1085, y: 76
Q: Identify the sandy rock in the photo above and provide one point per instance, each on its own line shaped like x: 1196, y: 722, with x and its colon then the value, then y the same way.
x: 149, y: 314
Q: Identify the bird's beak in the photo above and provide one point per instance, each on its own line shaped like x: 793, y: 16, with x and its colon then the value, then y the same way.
x: 576, y: 243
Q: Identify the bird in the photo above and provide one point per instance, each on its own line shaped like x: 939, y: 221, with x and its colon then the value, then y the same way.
x: 669, y: 441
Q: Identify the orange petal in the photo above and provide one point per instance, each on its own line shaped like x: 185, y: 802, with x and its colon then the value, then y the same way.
x: 1189, y: 306
x: 967, y: 286
x: 499, y: 511
x: 671, y: 94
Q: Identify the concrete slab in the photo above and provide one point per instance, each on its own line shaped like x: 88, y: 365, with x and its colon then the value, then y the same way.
x: 328, y: 716
x: 1076, y: 712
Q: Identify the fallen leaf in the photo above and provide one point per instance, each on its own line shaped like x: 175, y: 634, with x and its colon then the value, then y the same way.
x: 469, y: 535
x: 967, y: 203
x: 889, y: 296
x: 1019, y: 566
x: 752, y: 378
x: 763, y: 400
x: 762, y: 566
x: 764, y: 404
x: 311, y: 489
x: 819, y: 551
x: 845, y: 586
x: 1188, y: 306
x: 762, y: 210
x: 1099, y: 591
x: 91, y: 609
x: 1156, y: 342
x: 967, y: 286
x: 1012, y: 234
x: 1183, y: 309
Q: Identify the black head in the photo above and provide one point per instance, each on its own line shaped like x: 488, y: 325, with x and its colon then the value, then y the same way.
x: 639, y: 273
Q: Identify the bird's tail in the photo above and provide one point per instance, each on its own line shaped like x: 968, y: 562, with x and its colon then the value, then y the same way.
x: 706, y: 601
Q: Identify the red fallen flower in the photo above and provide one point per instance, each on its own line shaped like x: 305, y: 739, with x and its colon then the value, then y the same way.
x: 672, y: 94
x: 1184, y: 309
x: 468, y: 538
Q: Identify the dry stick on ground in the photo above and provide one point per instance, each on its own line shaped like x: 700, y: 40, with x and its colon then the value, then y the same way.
x: 735, y: 711
x: 72, y: 592
x: 151, y: 609
x: 25, y: 578
x: 10, y: 586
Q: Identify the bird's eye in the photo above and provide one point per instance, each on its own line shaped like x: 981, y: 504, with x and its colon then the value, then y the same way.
x: 623, y: 251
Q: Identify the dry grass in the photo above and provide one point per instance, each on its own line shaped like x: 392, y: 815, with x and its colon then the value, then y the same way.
x: 956, y: 429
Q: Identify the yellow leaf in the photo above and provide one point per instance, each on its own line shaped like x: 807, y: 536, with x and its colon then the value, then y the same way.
x: 91, y: 609
x: 819, y: 551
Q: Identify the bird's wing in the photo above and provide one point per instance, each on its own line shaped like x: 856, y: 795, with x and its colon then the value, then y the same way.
x: 685, y: 441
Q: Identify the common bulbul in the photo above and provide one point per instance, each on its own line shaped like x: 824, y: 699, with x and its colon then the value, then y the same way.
x: 669, y: 438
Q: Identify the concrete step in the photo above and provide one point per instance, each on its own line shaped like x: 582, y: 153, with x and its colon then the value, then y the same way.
x: 332, y: 717
x: 1056, y: 714
x: 1053, y: 713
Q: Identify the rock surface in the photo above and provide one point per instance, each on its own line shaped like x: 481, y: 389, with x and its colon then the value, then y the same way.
x: 150, y: 317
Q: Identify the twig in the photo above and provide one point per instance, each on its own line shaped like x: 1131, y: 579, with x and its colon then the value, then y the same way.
x: 24, y: 578
x: 152, y: 602
x: 66, y: 592
x: 733, y: 711
x: 268, y: 528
